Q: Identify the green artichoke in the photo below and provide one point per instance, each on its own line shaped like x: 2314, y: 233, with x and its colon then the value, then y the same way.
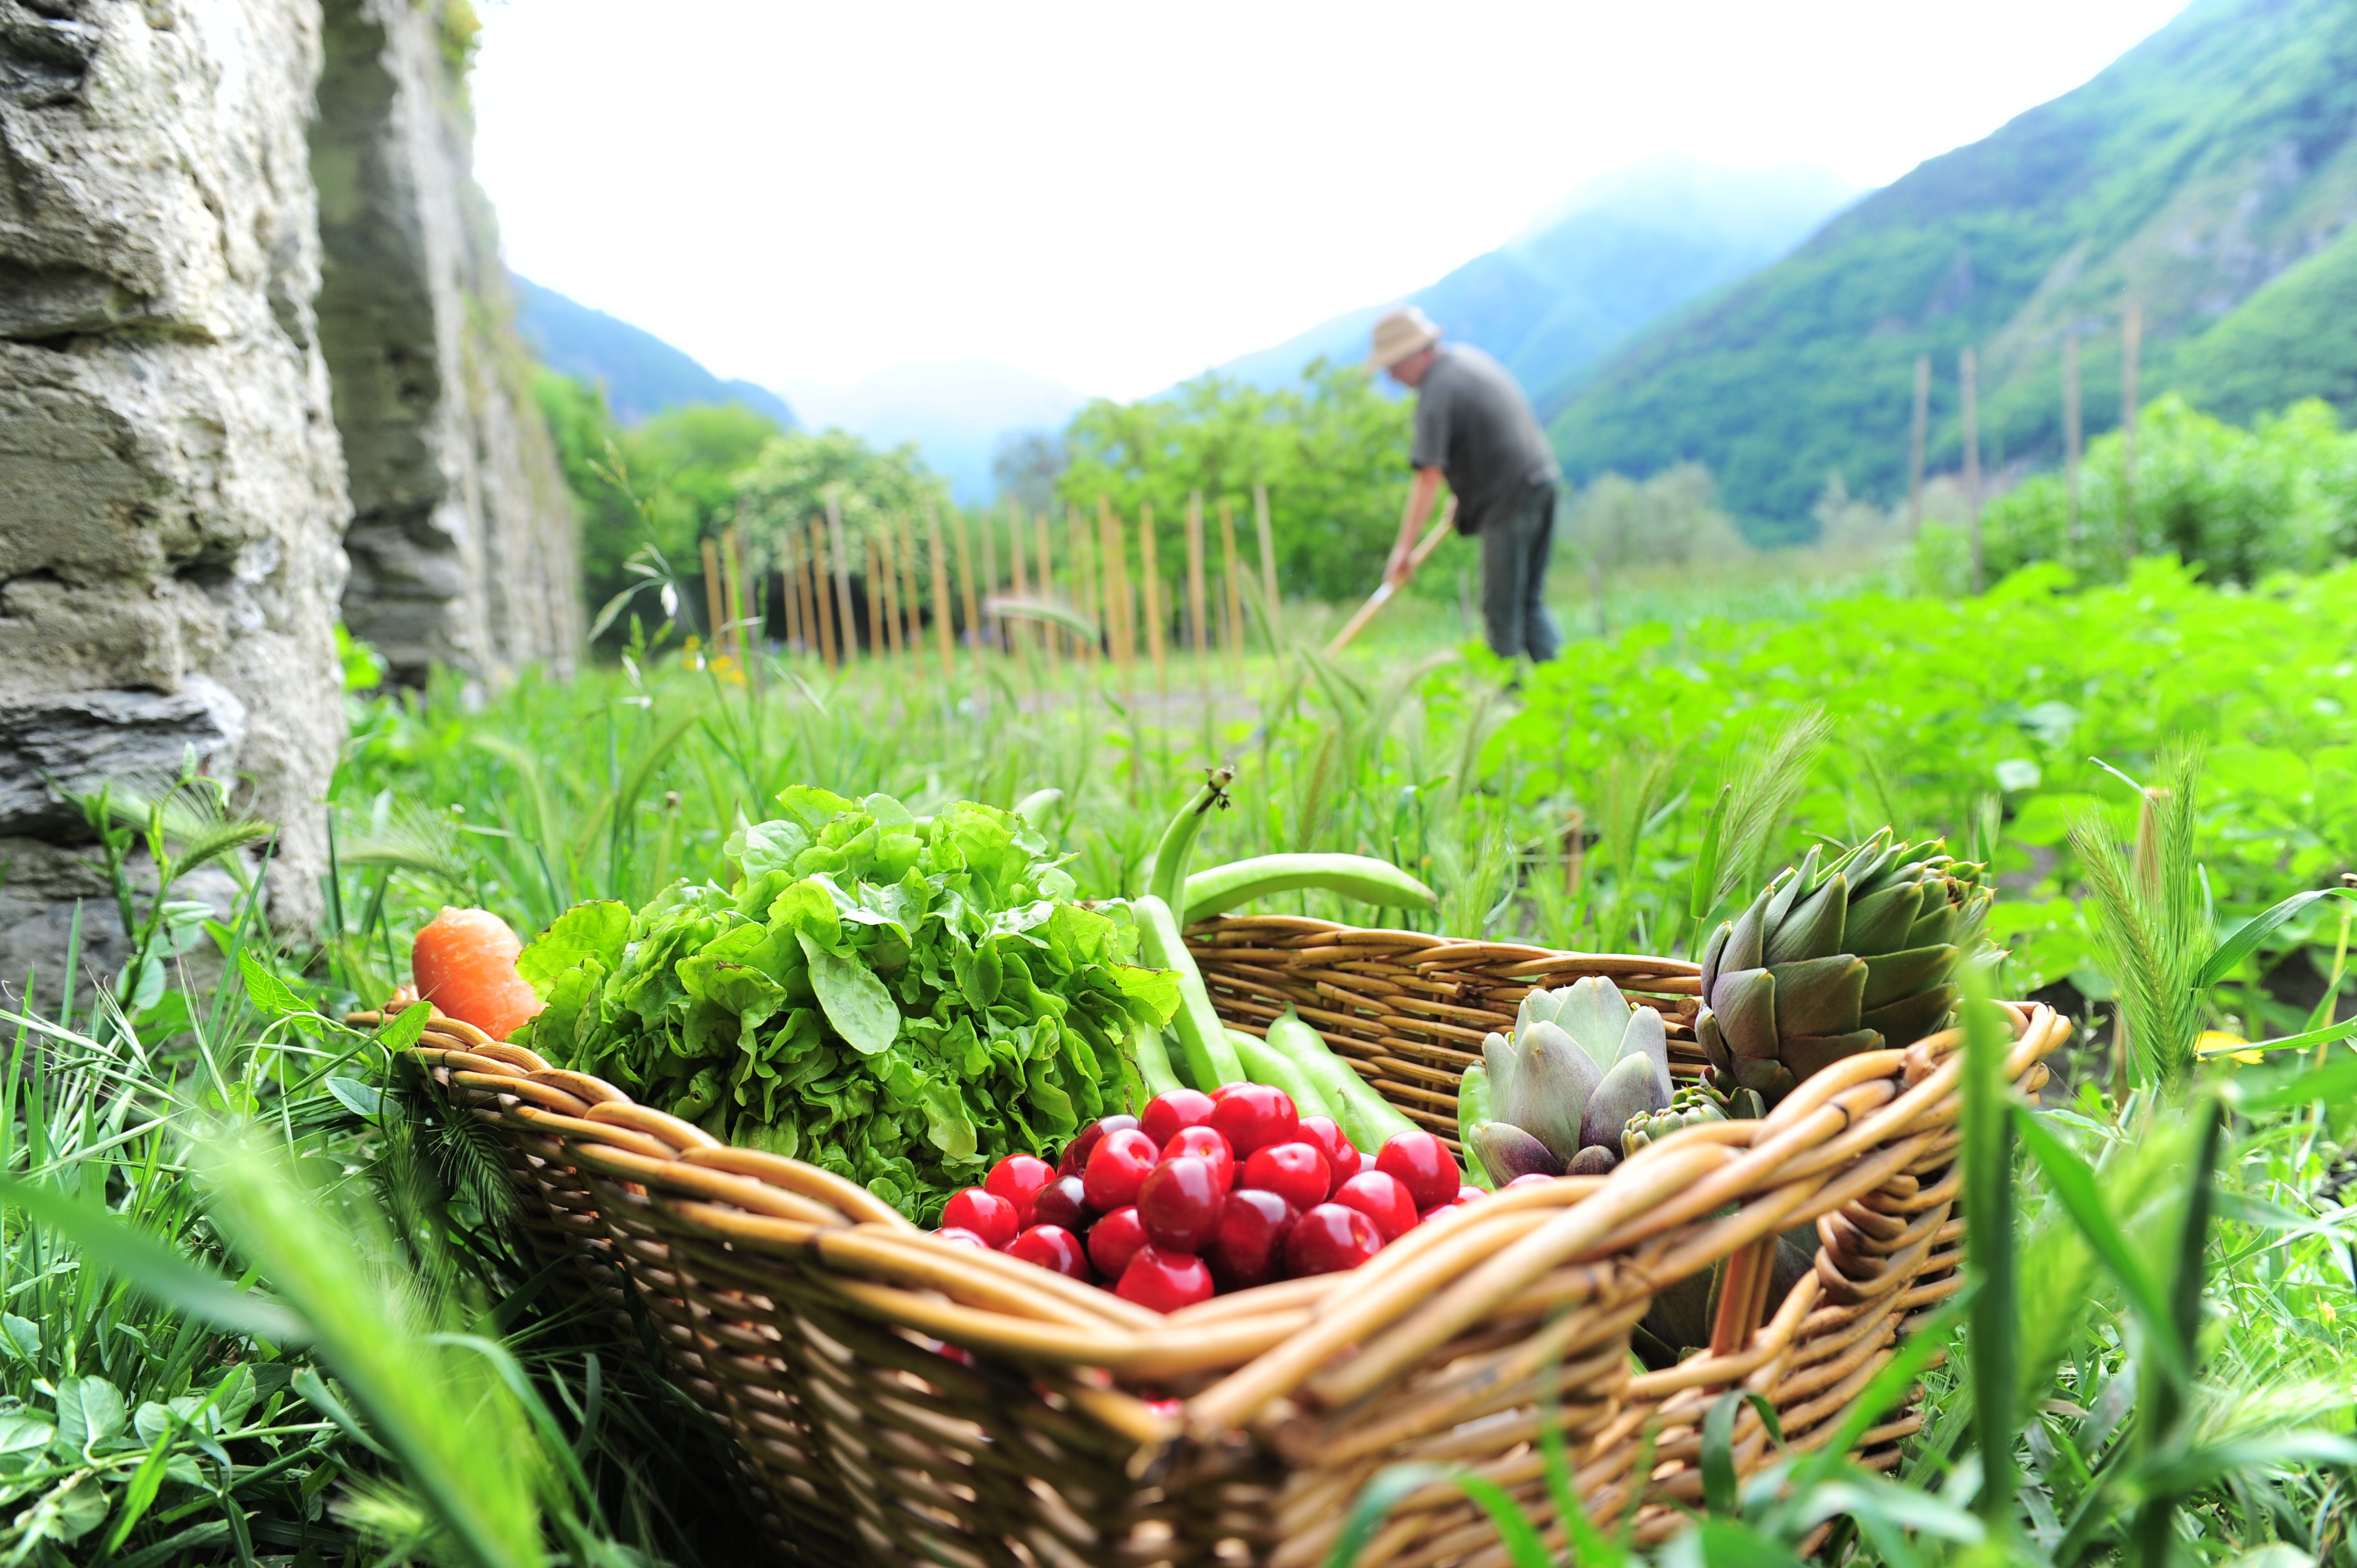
x: 1689, y: 1107
x: 1580, y: 1063
x: 1857, y: 956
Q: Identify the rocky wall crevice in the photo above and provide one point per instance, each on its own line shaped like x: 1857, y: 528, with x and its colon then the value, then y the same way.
x: 462, y: 537
x: 171, y: 488
x: 249, y: 294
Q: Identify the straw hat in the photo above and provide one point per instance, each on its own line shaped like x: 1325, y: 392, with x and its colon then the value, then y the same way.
x: 1400, y: 333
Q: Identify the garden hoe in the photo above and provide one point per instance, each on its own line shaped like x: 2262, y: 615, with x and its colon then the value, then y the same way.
x: 1383, y: 595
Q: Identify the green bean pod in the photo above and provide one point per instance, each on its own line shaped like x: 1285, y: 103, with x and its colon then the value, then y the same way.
x: 1154, y: 1068
x: 1472, y: 1115
x: 1038, y: 806
x: 1202, y: 1037
x: 1272, y: 1067
x: 1369, y: 1119
x: 1165, y: 874
x: 1355, y: 876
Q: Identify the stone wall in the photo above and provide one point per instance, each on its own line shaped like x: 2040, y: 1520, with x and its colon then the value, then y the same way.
x: 178, y: 349
x: 461, y: 540
x: 171, y: 495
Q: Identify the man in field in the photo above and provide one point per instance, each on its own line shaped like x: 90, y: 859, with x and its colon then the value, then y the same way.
x: 1474, y: 426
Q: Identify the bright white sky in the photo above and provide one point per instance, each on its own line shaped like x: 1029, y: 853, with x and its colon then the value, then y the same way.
x: 1119, y: 196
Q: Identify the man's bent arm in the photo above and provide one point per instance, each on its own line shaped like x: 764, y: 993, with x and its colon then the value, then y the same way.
x: 1422, y: 492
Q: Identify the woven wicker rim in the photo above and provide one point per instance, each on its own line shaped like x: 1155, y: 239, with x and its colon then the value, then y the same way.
x: 1523, y: 1250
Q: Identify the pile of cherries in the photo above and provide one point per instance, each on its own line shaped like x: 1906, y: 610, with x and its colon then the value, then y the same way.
x: 1207, y: 1193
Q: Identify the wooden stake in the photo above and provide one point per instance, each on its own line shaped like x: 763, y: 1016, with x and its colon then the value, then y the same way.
x: 941, y: 637
x: 1268, y: 558
x: 990, y: 573
x: 1195, y: 604
x: 2131, y: 353
x: 1016, y: 634
x: 912, y: 620
x: 842, y: 559
x: 877, y: 645
x: 965, y: 580
x: 714, y: 614
x: 1919, y: 432
x: 2071, y: 440
x: 1149, y: 585
x: 820, y: 570
x: 1085, y: 580
x: 1049, y: 637
x: 789, y: 582
x: 1111, y: 561
x: 1969, y: 371
x: 741, y: 615
x: 1232, y: 633
x: 888, y: 561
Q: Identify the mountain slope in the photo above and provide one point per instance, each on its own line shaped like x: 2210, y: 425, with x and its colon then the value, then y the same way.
x: 2203, y: 164
x: 641, y: 372
x: 1609, y: 257
x: 2290, y: 340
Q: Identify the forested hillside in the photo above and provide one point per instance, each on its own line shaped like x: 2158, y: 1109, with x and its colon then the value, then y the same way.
x: 2210, y: 176
x: 1611, y: 257
x: 640, y: 374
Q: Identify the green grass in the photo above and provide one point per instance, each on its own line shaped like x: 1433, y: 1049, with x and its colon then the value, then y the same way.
x: 268, y: 1151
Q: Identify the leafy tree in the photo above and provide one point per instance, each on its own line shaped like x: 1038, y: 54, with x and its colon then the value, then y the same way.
x: 1672, y: 519
x: 2281, y: 497
x: 787, y: 484
x: 1332, y: 451
x: 668, y: 481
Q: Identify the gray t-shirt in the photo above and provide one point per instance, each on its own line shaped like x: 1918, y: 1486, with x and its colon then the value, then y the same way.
x: 1474, y: 425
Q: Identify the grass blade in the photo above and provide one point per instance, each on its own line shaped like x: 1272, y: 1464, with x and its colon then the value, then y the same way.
x: 1390, y: 1487
x: 2072, y: 1182
x: 423, y: 1404
x: 2251, y: 932
x: 1990, y: 1250
x: 145, y: 1263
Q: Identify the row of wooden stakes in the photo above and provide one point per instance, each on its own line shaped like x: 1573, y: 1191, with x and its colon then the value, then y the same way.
x: 1081, y: 603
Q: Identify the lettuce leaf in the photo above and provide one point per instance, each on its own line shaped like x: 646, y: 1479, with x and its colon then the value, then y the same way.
x: 901, y: 1003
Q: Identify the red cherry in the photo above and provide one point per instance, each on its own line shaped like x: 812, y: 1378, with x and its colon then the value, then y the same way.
x: 1383, y: 1199
x: 1366, y: 1163
x: 1181, y: 1204
x: 1118, y: 1166
x: 1220, y: 1093
x: 1296, y: 1172
x: 1174, y: 1108
x: 1077, y: 1152
x: 1018, y: 1178
x: 962, y: 1237
x: 1255, y: 1116
x: 1164, y: 1281
x: 1422, y: 1164
x: 1113, y: 1241
x: 1470, y: 1195
x: 1327, y: 1135
x: 1063, y: 1202
x: 1052, y: 1247
x: 1206, y: 1144
x: 1250, y: 1240
x: 985, y: 1214
x: 1535, y: 1178
x: 1329, y: 1240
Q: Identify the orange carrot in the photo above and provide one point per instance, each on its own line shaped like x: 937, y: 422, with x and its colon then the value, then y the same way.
x: 465, y: 963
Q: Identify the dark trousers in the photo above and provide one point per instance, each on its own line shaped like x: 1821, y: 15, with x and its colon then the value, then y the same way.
x: 1515, y: 542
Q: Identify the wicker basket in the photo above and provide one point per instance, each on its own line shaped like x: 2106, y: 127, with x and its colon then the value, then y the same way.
x: 909, y: 1402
